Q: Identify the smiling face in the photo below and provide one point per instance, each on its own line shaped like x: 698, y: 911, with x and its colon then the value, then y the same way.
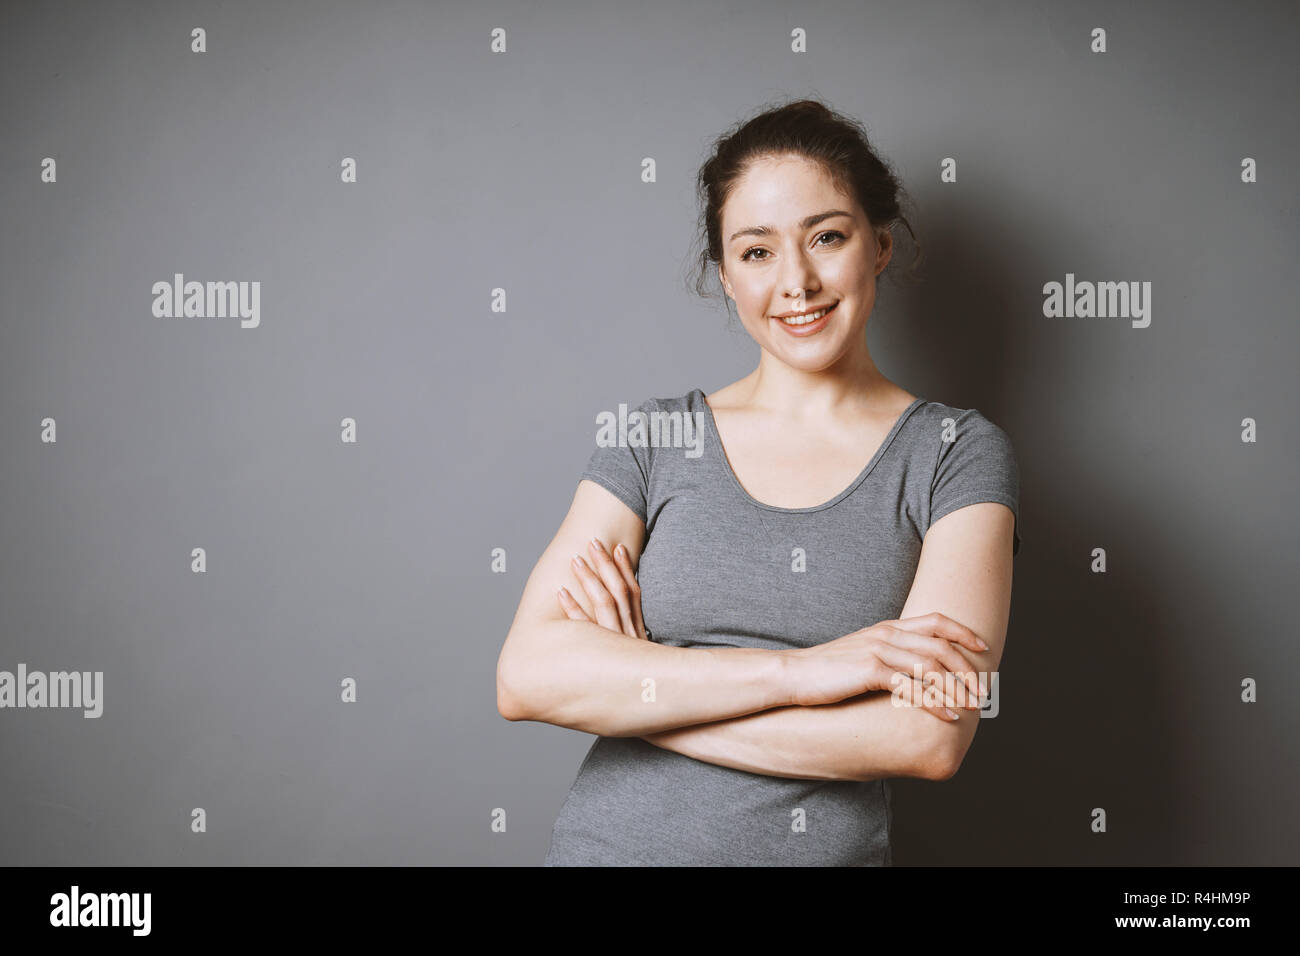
x: 793, y: 243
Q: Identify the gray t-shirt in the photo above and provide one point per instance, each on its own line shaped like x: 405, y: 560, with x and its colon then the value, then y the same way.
x: 721, y: 569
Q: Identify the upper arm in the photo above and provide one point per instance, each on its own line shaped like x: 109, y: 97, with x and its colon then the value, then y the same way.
x: 611, y: 503
x: 964, y: 572
x: 595, y: 512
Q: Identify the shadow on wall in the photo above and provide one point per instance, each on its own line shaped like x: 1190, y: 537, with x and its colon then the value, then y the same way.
x: 1068, y: 737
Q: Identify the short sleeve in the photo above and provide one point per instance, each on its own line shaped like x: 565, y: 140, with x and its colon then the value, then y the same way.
x: 978, y: 464
x: 620, y: 462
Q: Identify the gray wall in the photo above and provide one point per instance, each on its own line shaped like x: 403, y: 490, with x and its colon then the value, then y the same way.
x: 522, y: 171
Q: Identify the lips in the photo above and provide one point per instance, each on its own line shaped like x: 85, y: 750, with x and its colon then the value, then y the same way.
x: 808, y: 328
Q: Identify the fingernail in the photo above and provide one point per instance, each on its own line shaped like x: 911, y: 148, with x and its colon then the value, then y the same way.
x: 620, y: 551
x: 577, y: 559
x: 950, y: 713
x: 980, y: 642
x: 599, y: 546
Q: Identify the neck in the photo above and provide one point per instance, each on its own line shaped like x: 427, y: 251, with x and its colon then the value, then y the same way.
x: 852, y: 386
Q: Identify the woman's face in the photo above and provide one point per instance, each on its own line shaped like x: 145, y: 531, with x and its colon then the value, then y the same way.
x: 793, y: 243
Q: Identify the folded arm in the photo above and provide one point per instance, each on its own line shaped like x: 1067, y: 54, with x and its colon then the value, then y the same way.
x: 964, y: 572
x: 865, y: 738
x: 580, y: 675
x: 735, y: 706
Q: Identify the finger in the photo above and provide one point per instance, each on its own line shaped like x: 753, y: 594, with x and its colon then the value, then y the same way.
x: 909, y: 664
x: 966, y: 677
x: 941, y: 625
x: 603, y: 605
x: 954, y: 661
x: 571, y: 607
x: 614, y: 584
x: 624, y: 562
x: 927, y: 698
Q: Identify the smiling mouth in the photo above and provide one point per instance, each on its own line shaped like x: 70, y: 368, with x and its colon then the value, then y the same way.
x: 805, y: 318
x: 807, y: 323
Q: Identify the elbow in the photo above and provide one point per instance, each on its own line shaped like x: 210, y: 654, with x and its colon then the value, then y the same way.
x: 511, y: 704
x: 942, y: 759
x: 944, y: 768
x: 508, y: 706
x: 532, y: 685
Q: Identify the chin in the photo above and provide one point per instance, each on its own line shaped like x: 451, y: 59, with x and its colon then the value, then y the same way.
x: 817, y: 360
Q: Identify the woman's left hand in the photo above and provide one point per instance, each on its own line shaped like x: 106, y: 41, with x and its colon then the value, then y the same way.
x: 612, y: 586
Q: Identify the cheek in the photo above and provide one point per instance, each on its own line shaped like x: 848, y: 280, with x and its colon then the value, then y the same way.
x: 851, y: 274
x: 752, y: 302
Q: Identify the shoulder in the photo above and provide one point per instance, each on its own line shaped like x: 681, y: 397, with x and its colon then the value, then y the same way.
x: 689, y: 401
x: 689, y: 407
x: 623, y: 412
x: 643, y: 429
x: 972, y: 454
x: 944, y: 425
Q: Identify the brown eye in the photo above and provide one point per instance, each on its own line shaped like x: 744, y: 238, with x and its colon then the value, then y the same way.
x: 834, y: 233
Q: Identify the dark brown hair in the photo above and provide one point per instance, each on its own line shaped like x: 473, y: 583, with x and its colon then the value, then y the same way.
x: 810, y: 129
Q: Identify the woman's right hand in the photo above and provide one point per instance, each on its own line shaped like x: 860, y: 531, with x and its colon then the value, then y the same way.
x: 873, y: 658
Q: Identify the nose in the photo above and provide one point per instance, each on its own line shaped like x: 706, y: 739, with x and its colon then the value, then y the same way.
x: 798, y: 277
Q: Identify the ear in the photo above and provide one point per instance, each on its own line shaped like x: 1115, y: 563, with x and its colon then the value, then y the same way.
x: 725, y: 284
x: 885, y: 250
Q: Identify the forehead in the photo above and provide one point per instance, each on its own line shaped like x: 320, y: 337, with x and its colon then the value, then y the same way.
x: 779, y: 191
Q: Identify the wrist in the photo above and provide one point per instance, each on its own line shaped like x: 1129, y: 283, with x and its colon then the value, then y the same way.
x: 785, y: 677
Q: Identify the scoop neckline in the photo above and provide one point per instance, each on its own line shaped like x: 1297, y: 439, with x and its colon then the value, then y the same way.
x: 853, y: 485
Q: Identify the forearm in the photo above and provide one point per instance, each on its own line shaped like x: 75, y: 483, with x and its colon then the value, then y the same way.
x: 863, y: 738
x: 580, y: 675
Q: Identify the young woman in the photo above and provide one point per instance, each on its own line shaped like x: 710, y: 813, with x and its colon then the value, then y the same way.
x: 761, y: 635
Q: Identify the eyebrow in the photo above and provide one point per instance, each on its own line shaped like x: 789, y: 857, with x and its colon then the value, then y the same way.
x: 807, y: 223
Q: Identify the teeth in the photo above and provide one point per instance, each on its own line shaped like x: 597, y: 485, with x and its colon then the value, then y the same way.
x: 806, y: 318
